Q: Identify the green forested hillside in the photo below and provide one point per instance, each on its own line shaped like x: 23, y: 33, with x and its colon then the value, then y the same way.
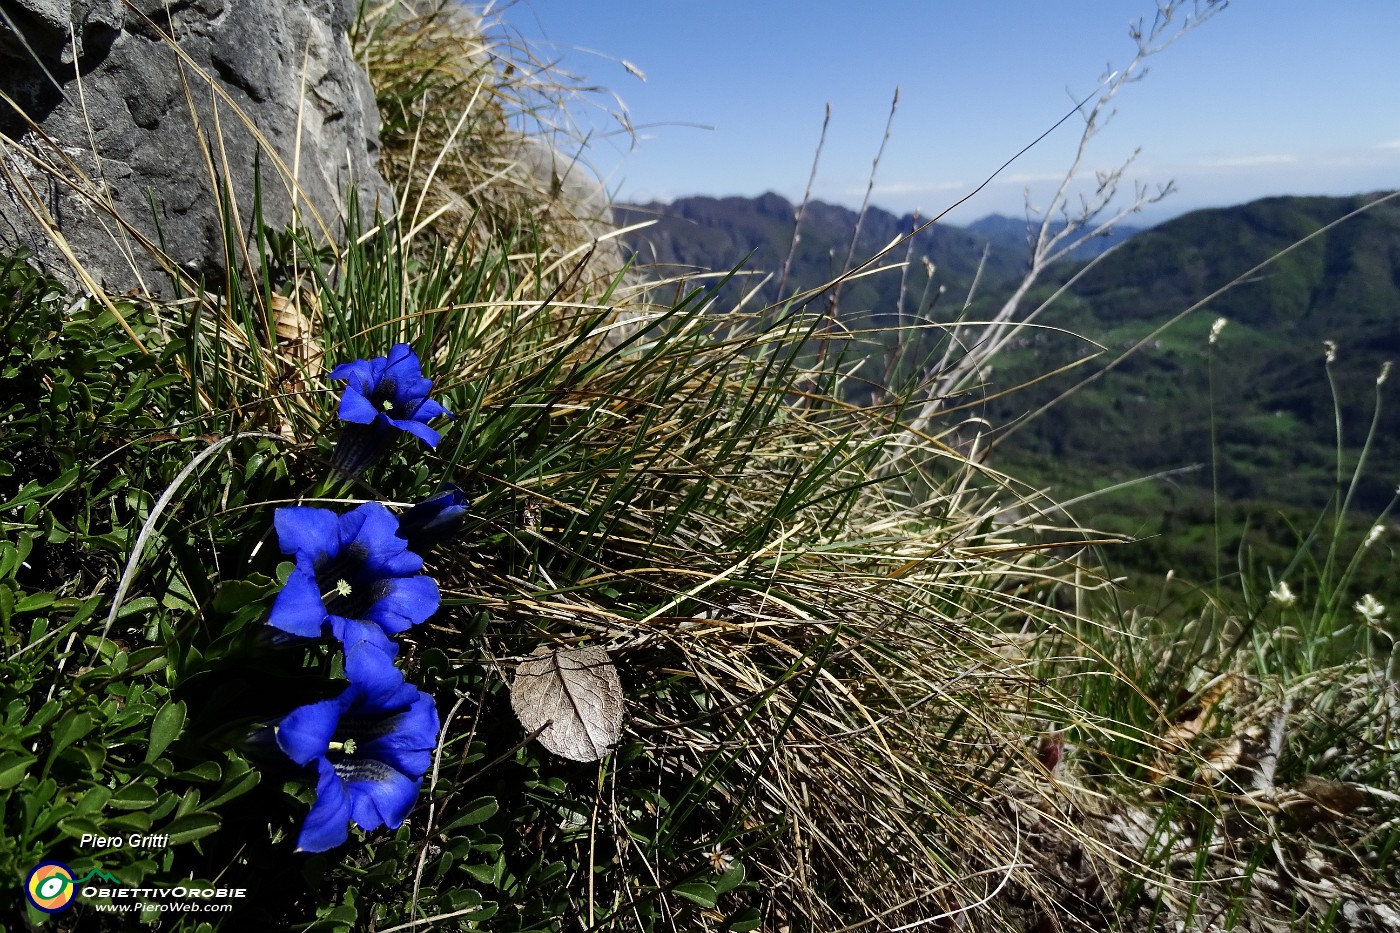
x: 1254, y: 415
x: 1245, y: 428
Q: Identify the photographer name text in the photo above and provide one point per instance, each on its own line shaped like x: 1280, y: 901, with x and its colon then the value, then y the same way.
x: 133, y: 841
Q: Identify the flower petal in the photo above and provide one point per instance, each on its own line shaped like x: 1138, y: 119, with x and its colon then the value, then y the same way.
x: 401, y: 354
x: 421, y: 431
x: 306, y: 732
x: 404, y: 368
x: 298, y: 608
x: 379, y: 795
x: 394, y: 561
x: 428, y: 409
x: 353, y: 633
x: 355, y: 408
x: 363, y: 526
x: 327, y: 823
x: 359, y: 373
x: 303, y: 528
x: 374, y: 528
x: 374, y: 673
x: 409, y: 748
x: 410, y: 600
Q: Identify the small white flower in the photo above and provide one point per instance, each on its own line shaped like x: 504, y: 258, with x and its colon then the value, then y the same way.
x: 1385, y: 373
x: 1371, y: 609
x: 1216, y: 328
x: 1282, y: 594
x: 719, y: 859
x: 1373, y: 535
x: 1331, y: 347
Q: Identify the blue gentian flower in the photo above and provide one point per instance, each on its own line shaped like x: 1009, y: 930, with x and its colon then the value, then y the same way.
x: 353, y: 574
x: 371, y: 746
x: 434, y: 520
x: 381, y: 396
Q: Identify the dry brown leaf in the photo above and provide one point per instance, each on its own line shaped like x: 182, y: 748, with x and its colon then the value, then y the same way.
x: 573, y: 697
x: 1177, y: 738
x: 295, y: 321
x: 1220, y: 760
x: 1336, y: 797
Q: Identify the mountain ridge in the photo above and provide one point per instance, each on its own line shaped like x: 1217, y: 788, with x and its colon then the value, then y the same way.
x: 722, y: 233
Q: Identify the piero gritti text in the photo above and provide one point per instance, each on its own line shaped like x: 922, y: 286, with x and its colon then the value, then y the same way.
x: 132, y: 841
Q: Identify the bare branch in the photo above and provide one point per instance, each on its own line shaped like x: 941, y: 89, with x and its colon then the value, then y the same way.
x: 1072, y: 217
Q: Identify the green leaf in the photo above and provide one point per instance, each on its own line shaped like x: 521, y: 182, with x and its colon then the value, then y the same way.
x: 191, y: 827
x: 79, y: 826
x: 134, y: 797
x: 13, y: 769
x: 700, y: 892
x: 9, y: 559
x: 35, y: 601
x: 85, y: 610
x: 165, y: 727
x: 745, y: 920
x: 93, y: 801
x: 131, y: 607
x: 70, y: 729
x: 233, y: 595
x: 148, y: 660
x: 478, y: 811
x: 337, y: 918
x: 167, y: 805
x: 135, y: 821
x: 461, y: 899
x: 731, y: 879
x: 206, y: 771
x: 189, y: 803
x: 487, y: 874
x: 236, y: 786
x: 67, y: 478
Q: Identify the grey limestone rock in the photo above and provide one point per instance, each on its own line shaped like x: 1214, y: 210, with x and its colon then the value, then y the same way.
x: 127, y: 121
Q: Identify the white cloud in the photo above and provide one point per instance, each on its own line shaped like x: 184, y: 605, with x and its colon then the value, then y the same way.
x: 1029, y: 178
x: 908, y: 187
x: 1250, y: 161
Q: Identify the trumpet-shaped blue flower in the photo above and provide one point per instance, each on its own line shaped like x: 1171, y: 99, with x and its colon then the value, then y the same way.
x: 381, y: 395
x: 370, y: 746
x: 353, y: 574
x: 434, y: 520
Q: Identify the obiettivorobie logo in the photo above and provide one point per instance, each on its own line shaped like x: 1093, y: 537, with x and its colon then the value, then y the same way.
x: 51, y: 887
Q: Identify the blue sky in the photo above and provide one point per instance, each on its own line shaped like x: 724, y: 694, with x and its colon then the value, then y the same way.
x: 1267, y: 97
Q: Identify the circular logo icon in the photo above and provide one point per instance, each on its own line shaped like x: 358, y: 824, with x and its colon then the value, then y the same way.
x: 50, y: 887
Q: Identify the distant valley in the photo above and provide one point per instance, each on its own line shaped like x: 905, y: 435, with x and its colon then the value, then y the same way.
x: 1264, y: 385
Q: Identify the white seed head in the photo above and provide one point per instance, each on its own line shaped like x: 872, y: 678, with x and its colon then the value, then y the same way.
x: 1282, y: 594
x: 1371, y: 609
x: 1216, y: 328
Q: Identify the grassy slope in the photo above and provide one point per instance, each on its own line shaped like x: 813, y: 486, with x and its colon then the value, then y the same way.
x: 1249, y: 421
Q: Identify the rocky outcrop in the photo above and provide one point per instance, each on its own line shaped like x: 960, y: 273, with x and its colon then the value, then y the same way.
x: 128, y: 121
